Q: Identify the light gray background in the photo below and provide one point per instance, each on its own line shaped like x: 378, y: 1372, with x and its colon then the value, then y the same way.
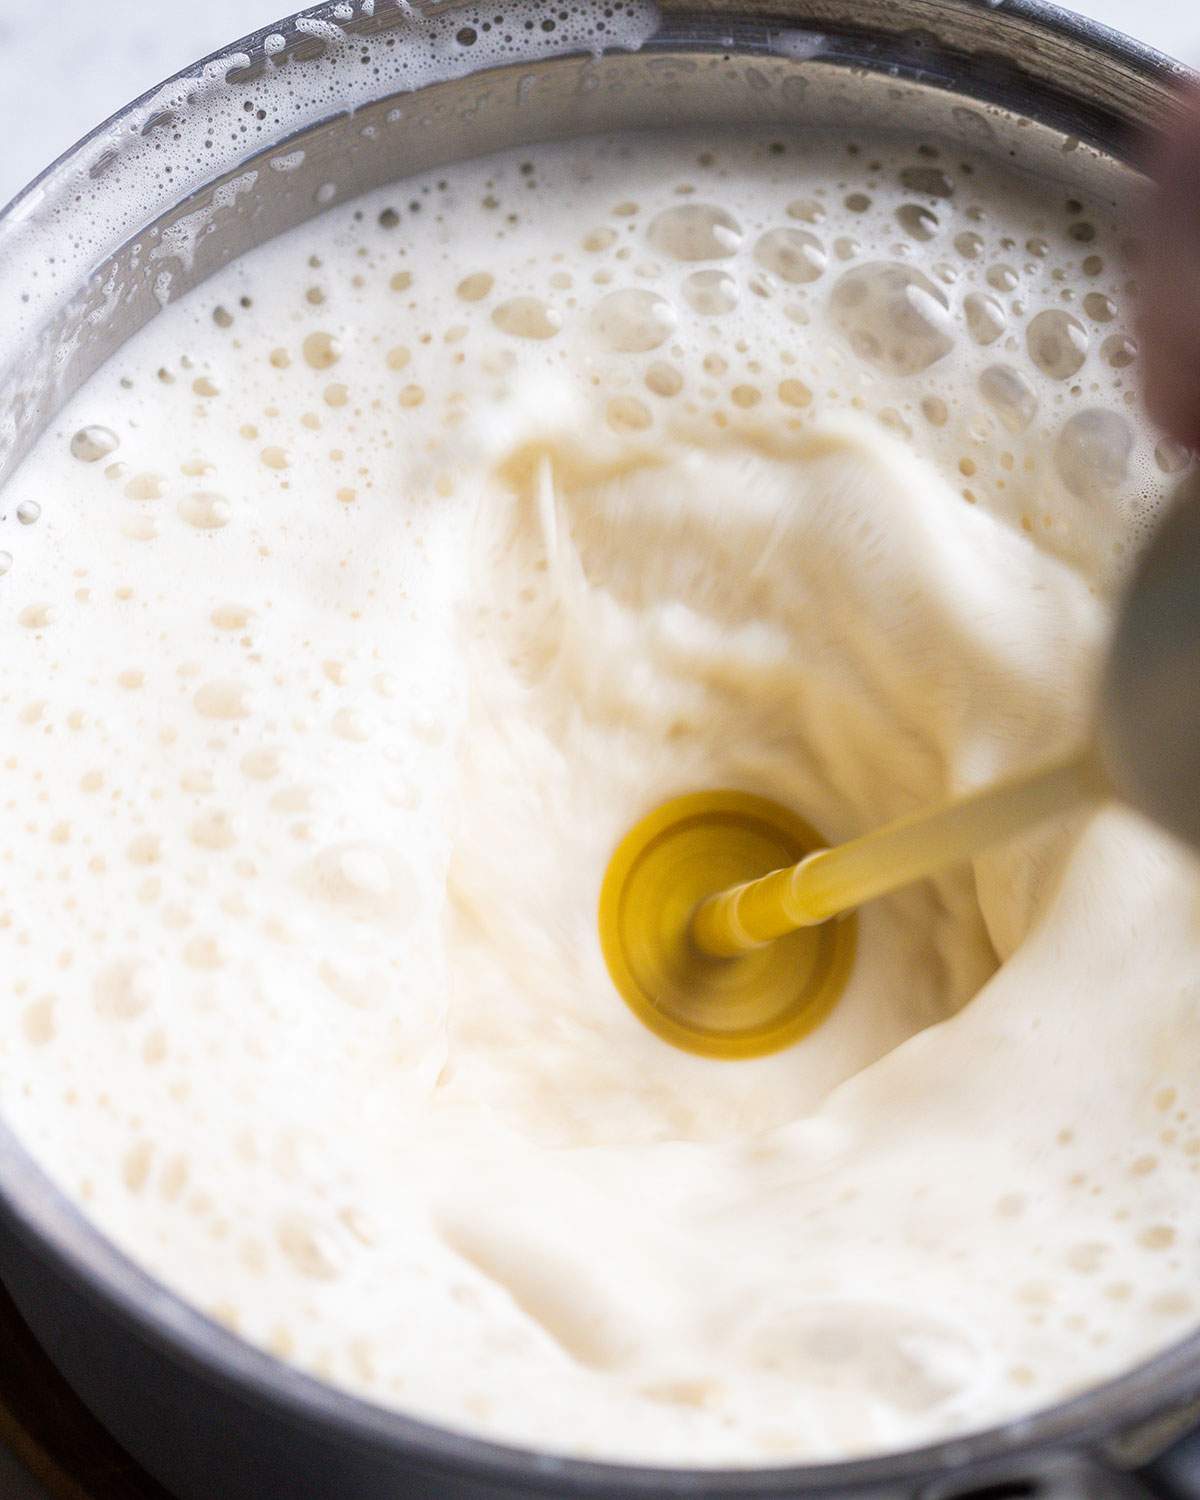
x: 65, y: 66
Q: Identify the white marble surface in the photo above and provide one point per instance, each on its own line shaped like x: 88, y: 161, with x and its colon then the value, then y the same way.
x: 65, y: 66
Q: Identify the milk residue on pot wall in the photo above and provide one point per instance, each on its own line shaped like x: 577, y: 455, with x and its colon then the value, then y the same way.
x: 205, y: 124
x: 206, y: 121
x: 320, y: 720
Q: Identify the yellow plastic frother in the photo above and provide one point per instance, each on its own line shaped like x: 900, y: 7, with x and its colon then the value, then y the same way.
x: 715, y: 909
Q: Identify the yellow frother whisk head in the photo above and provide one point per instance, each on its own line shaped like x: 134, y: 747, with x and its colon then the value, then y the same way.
x: 740, y: 1006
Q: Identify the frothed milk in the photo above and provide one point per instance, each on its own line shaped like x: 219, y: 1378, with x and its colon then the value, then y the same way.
x: 364, y: 601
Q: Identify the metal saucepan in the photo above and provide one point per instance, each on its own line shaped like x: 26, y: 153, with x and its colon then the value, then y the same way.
x: 211, y: 1417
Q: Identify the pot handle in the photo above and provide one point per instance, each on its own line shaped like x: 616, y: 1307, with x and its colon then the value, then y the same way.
x: 1175, y: 1473
x: 1075, y: 1475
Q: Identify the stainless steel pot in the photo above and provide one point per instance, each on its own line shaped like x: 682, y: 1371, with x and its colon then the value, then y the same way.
x: 211, y: 1417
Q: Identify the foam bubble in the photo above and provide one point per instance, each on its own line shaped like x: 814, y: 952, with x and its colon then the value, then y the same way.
x: 893, y: 315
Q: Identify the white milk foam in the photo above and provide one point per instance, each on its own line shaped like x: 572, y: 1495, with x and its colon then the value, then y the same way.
x: 321, y: 719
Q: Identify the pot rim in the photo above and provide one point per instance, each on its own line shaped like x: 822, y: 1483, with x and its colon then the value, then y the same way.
x: 43, y: 1216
